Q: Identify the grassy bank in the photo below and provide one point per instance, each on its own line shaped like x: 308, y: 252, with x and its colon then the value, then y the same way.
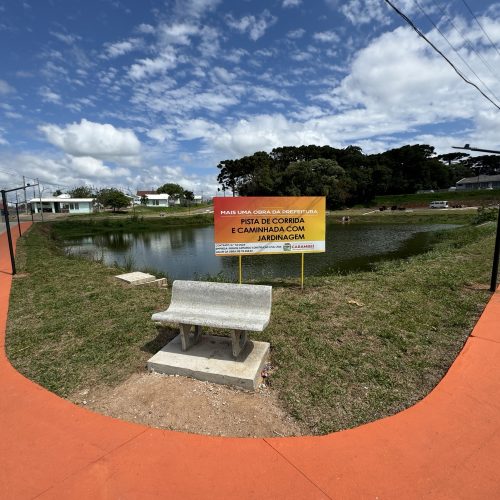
x: 469, y: 198
x: 347, y: 350
x: 71, y: 228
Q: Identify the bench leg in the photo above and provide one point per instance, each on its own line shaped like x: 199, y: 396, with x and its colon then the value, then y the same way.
x: 186, y: 340
x: 239, y: 340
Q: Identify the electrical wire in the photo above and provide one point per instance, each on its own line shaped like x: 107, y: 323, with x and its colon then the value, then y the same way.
x: 479, y: 24
x: 467, y: 41
x: 457, y: 71
x: 454, y: 49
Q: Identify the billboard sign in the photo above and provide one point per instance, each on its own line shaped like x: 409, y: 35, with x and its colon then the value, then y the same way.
x: 269, y: 225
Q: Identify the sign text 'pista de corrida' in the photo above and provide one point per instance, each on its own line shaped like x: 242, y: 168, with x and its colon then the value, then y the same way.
x: 264, y: 225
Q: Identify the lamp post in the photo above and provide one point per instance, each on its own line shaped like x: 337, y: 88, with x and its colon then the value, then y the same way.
x: 496, y: 252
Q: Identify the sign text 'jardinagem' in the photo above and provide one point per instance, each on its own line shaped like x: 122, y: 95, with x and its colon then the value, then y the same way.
x: 265, y: 225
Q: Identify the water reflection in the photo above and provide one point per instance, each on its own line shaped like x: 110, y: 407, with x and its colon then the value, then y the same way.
x: 188, y: 252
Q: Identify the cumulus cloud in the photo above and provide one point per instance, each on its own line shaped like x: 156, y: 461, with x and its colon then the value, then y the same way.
x: 96, y: 140
x: 291, y: 3
x: 254, y: 26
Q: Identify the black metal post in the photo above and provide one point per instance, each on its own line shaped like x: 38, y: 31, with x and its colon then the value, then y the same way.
x: 494, y: 270
x: 18, y: 221
x: 9, y: 236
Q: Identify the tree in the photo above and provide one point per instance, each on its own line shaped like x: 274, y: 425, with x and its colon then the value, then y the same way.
x: 57, y: 192
x: 175, y: 191
x: 188, y: 195
x: 144, y: 200
x: 112, y: 198
x: 81, y: 192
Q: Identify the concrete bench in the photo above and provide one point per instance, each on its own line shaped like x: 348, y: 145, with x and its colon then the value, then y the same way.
x: 241, y: 308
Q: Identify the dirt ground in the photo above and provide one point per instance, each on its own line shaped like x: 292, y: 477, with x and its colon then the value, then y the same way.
x: 188, y: 405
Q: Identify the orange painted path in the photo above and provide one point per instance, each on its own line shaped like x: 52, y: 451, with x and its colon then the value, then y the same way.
x: 446, y: 446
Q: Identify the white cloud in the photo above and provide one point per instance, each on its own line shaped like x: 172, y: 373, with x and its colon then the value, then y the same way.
x: 5, y: 88
x: 223, y: 74
x: 148, y: 67
x: 296, y: 34
x: 327, y: 37
x: 120, y: 48
x: 160, y: 134
x: 365, y: 11
x: 195, y: 8
x: 92, y: 168
x: 65, y: 38
x: 291, y: 3
x: 48, y: 95
x: 176, y: 33
x: 97, y: 140
x: 254, y: 26
x: 147, y: 29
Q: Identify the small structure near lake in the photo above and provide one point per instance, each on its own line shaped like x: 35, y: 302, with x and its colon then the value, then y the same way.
x: 62, y: 204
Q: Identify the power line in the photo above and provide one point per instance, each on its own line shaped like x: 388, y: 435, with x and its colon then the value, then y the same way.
x: 457, y: 71
x: 454, y: 49
x: 479, y: 24
x: 467, y: 41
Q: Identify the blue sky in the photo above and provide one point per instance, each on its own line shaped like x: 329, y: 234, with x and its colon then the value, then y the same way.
x: 134, y: 94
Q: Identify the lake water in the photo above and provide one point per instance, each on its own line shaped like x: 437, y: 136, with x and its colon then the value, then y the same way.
x: 188, y: 252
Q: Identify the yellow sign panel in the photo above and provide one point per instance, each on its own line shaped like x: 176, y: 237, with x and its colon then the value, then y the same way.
x: 267, y: 225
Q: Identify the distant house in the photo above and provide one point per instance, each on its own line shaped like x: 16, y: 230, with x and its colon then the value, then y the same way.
x: 198, y: 199
x: 140, y: 194
x: 156, y: 200
x: 62, y: 204
x: 479, y: 182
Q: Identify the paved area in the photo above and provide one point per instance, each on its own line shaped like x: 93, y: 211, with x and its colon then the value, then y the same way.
x: 446, y: 446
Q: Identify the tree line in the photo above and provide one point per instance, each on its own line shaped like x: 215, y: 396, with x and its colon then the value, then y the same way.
x: 348, y: 176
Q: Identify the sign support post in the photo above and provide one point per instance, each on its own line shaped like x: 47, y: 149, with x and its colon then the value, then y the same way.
x: 302, y: 271
x: 239, y: 260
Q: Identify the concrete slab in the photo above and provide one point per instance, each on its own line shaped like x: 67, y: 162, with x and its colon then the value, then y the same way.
x: 159, y: 282
x: 136, y: 278
x: 212, y: 360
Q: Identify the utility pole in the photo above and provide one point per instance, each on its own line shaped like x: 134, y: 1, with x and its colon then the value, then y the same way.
x: 496, y: 252
x: 40, y: 196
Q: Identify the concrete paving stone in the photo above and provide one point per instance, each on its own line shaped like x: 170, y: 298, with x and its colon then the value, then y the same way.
x: 136, y: 278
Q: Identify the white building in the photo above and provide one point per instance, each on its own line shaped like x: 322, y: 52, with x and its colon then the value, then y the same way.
x: 479, y: 182
x: 63, y: 204
x: 156, y: 200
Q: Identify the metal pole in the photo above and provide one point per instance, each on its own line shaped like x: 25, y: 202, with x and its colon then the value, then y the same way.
x: 40, y: 196
x: 494, y: 270
x: 239, y: 260
x: 9, y: 236
x: 17, y: 213
x: 302, y: 271
x: 25, y: 201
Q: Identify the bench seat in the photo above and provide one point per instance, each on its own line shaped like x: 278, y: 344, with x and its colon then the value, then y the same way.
x: 241, y: 308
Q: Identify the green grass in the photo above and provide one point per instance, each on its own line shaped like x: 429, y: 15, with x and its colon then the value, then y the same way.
x: 347, y: 350
x: 72, y: 228
x: 476, y: 197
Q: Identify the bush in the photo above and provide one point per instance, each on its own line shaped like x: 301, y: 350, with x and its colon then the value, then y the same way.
x: 485, y: 214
